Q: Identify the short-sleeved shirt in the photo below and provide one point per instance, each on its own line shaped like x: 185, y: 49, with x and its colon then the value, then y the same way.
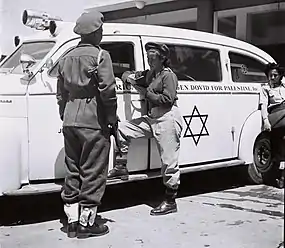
x: 272, y: 96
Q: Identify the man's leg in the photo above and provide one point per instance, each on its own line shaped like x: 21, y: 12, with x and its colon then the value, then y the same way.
x: 93, y: 173
x: 167, y: 135
x: 277, y: 142
x: 281, y: 167
x: 128, y: 130
x: 71, y: 188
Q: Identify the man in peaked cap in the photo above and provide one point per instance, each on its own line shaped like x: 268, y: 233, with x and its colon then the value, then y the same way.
x: 87, y: 105
x: 161, y: 48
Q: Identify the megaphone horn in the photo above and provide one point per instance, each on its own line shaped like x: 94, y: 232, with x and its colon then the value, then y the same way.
x: 37, y: 19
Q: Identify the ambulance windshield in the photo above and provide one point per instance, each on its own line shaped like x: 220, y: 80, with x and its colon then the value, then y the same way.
x: 37, y: 50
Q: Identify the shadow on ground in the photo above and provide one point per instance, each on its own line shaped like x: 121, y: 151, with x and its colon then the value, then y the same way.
x: 34, y: 209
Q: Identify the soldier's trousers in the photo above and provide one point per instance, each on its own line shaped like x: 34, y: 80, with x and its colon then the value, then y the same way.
x: 86, y: 160
x: 166, y: 130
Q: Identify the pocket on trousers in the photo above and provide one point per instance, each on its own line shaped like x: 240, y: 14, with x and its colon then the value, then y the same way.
x: 178, y: 123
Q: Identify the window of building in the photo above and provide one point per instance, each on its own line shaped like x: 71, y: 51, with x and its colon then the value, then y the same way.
x: 195, y: 63
x: 267, y: 28
x: 186, y: 25
x: 246, y: 69
x: 227, y: 26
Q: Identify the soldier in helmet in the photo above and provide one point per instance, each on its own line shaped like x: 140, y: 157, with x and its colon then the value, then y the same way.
x: 163, y: 122
x: 87, y: 104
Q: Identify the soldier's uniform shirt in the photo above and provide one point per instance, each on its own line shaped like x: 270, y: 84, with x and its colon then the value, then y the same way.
x: 78, y: 93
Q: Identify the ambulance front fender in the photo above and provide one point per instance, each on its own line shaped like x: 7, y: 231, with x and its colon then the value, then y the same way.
x: 10, y: 158
x: 249, y: 132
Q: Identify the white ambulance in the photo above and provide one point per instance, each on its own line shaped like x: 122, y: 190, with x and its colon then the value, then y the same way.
x: 219, y: 85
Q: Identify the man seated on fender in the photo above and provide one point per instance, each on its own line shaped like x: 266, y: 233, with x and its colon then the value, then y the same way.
x: 273, y: 112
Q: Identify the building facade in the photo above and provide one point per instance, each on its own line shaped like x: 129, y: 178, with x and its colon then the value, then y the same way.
x: 260, y: 22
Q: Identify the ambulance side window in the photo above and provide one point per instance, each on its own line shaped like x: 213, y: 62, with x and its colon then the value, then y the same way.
x: 195, y: 63
x: 37, y: 50
x: 122, y: 55
x: 246, y: 69
x: 53, y: 72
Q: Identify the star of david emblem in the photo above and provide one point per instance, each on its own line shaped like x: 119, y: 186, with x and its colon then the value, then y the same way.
x: 189, y: 132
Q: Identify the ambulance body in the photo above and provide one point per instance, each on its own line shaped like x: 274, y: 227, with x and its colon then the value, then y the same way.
x: 218, y: 96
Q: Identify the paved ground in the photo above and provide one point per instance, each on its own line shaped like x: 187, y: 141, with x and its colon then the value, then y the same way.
x: 216, y: 210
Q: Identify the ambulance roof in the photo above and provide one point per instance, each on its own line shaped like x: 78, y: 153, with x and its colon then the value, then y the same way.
x: 66, y: 33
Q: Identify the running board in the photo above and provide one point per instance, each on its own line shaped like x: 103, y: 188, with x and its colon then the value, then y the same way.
x: 45, y: 188
x: 210, y: 166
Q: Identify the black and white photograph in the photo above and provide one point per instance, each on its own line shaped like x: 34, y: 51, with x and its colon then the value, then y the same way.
x: 142, y: 123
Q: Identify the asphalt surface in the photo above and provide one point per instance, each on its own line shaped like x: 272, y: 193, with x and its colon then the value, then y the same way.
x: 217, y: 209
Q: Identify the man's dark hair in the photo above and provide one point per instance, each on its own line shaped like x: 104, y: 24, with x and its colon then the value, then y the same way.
x: 273, y: 66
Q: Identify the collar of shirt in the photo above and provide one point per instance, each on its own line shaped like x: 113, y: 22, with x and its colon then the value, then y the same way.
x: 82, y: 44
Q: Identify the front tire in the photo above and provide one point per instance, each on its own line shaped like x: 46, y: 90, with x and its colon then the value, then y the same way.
x: 254, y: 176
x: 263, y: 165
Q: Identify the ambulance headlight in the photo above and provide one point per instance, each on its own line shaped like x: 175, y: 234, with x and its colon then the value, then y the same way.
x: 37, y: 20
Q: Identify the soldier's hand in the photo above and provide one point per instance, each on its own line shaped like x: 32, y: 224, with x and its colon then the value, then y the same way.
x: 125, y: 77
x: 266, y: 125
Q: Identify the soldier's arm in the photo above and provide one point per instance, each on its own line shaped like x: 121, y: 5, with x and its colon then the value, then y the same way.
x: 107, y: 87
x: 61, y: 95
x: 140, y: 77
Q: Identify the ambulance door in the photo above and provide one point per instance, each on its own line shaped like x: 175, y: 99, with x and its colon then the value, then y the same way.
x: 127, y: 55
x: 46, y: 138
x: 46, y: 154
x: 247, y: 76
x: 203, y: 102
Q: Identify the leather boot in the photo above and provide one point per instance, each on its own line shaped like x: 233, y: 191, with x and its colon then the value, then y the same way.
x: 87, y: 226
x: 91, y: 231
x: 280, y: 181
x: 72, y: 213
x: 72, y: 229
x: 120, y: 171
x: 168, y: 205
